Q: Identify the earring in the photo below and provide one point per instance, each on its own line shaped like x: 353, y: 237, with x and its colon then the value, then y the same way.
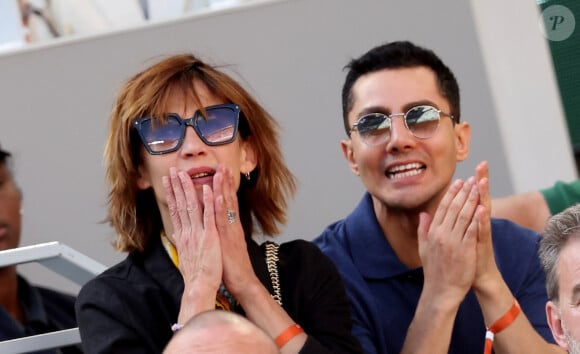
x: 248, y: 177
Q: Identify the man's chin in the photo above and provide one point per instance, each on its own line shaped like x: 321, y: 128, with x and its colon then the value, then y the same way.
x: 573, y: 344
x: 406, y: 204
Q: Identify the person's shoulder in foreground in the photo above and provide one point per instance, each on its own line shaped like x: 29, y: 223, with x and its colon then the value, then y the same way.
x: 195, y: 171
x: 25, y: 309
x: 417, y: 256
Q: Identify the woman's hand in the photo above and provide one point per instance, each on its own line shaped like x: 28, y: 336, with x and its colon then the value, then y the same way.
x: 196, y: 239
x: 238, y: 273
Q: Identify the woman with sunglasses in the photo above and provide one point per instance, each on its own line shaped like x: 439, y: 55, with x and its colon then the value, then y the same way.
x: 195, y: 170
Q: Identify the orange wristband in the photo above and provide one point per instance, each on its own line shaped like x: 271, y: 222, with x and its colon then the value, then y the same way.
x: 288, y: 334
x: 502, y: 323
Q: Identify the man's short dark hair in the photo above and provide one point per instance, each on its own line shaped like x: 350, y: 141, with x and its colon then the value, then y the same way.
x: 396, y: 55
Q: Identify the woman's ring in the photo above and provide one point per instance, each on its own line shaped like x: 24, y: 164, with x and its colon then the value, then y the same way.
x: 231, y: 216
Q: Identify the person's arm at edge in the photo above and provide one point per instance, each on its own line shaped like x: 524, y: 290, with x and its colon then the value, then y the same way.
x: 526, y: 209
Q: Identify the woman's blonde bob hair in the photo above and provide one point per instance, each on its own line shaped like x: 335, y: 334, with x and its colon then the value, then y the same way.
x: 134, y: 213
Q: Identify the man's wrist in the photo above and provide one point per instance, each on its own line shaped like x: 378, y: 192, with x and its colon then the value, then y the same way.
x: 490, y: 284
x: 494, y: 297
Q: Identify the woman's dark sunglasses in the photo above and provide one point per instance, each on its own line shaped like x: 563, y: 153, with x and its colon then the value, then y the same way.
x: 219, y: 126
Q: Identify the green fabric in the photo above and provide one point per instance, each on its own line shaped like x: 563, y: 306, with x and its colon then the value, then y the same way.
x: 565, y: 55
x: 562, y: 195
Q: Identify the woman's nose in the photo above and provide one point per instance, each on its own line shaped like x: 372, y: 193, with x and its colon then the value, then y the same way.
x: 192, y: 144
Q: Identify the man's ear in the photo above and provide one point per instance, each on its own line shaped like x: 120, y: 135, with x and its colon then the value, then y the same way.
x: 462, y: 140
x: 348, y: 153
x: 555, y: 323
x: 143, y: 181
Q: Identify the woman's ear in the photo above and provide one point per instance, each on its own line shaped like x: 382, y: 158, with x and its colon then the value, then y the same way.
x: 249, y: 157
x: 143, y: 181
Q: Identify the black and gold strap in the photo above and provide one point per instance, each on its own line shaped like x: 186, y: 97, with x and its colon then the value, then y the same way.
x: 272, y: 264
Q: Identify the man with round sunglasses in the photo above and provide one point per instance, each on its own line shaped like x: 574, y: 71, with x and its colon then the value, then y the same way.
x: 421, y: 268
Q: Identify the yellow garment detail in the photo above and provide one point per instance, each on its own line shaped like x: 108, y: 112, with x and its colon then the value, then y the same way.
x: 221, y: 302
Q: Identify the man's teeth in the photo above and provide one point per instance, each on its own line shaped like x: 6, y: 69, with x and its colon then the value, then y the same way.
x: 413, y: 165
x: 404, y: 174
x: 408, y: 170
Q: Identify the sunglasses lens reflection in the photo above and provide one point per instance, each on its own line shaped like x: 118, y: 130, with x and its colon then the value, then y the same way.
x: 162, y: 136
x: 422, y: 121
x: 219, y: 127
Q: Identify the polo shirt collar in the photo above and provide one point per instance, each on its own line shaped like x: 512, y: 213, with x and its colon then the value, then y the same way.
x: 371, y: 252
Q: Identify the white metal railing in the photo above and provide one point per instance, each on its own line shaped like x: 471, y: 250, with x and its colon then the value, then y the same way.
x: 63, y: 260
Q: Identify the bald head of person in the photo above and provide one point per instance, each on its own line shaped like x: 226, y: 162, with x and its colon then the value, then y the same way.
x: 220, y: 332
